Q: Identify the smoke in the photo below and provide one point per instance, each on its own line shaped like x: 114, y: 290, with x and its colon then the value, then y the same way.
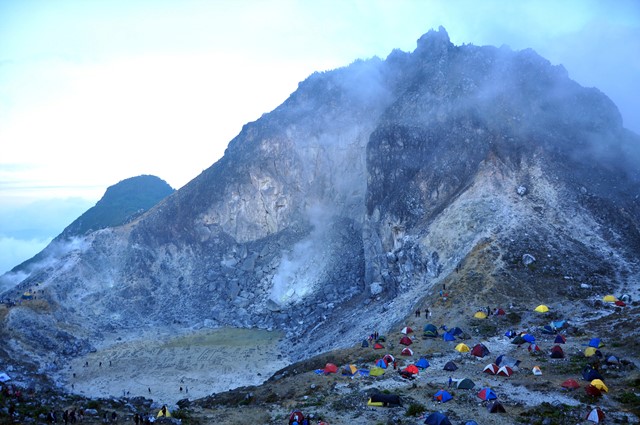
x: 47, y: 257
x: 303, y: 268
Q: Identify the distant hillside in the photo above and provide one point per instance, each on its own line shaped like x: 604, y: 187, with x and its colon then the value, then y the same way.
x: 121, y: 203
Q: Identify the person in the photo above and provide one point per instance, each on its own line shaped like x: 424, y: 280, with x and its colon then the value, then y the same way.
x: 418, y: 313
x: 427, y: 313
x: 180, y: 389
x: 450, y: 382
x: 114, y: 417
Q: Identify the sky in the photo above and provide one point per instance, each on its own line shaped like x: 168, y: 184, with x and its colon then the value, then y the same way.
x: 96, y: 91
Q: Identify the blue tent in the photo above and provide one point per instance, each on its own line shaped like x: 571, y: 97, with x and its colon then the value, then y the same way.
x: 595, y: 342
x: 456, y: 331
x: 381, y: 363
x: 589, y: 374
x: 560, y: 339
x: 548, y: 329
x: 510, y: 333
x: 471, y: 423
x: 442, y: 396
x: 422, y: 363
x: 529, y: 338
x: 365, y: 343
x: 437, y: 418
x: 447, y: 336
x: 558, y: 324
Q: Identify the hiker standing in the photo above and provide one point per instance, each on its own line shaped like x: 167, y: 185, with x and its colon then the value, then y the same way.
x: 418, y: 313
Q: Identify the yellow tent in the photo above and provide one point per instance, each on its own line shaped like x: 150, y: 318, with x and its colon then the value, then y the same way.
x: 164, y: 412
x: 462, y: 348
x: 542, y: 308
x: 480, y: 315
x: 609, y: 299
x: 376, y: 371
x: 589, y: 351
x: 352, y: 369
x: 600, y: 385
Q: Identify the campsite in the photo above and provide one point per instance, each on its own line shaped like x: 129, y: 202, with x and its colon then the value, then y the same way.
x: 519, y: 366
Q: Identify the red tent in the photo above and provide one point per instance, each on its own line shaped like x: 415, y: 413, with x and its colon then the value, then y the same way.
x: 491, y: 368
x: 296, y: 416
x: 592, y: 391
x: 595, y: 415
x: 556, y: 352
x: 570, y: 384
x: 479, y: 350
x: 406, y: 351
x: 378, y: 346
x: 413, y: 369
x: 505, y: 371
x: 405, y: 340
x: 330, y: 368
x: 620, y: 303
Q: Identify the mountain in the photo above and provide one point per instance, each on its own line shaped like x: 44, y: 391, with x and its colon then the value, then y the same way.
x: 121, y: 203
x: 350, y: 204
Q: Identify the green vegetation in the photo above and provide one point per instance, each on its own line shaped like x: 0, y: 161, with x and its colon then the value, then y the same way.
x: 415, y: 409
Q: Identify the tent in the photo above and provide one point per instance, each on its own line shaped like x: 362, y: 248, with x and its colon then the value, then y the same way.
x: 558, y: 324
x: 503, y: 360
x: 479, y: 350
x: 412, y: 369
x: 547, y: 329
x: 406, y: 330
x: 330, y: 368
x: 406, y: 351
x: 378, y: 346
x: 529, y: 338
x: 620, y: 303
x: 456, y: 332
x: 595, y: 415
x: 27, y: 295
x: 430, y: 330
x: 505, y: 371
x: 600, y: 385
x: 450, y: 366
x: 471, y: 423
x: 448, y: 336
x: 613, y: 360
x: 442, y: 396
x: 589, y: 374
x: 556, y: 352
x: 487, y: 394
x: 465, y: 384
x: 609, y: 299
x: 541, y: 309
x: 499, y: 312
x: 384, y: 400
x: 462, y: 348
x: 518, y: 340
x: 592, y: 391
x: 560, y: 339
x: 405, y: 340
x: 536, y: 371
x: 349, y: 370
x: 388, y: 358
x: 534, y: 348
x: 592, y: 351
x: 376, y: 371
x: 570, y: 384
x: 4, y: 377
x: 422, y: 363
x: 365, y: 343
x: 480, y: 315
x: 163, y: 413
x: 491, y: 368
x: 595, y: 342
x: 496, y: 407
x: 381, y: 363
x: 437, y: 418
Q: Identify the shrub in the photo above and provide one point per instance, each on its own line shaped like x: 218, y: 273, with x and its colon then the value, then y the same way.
x: 415, y: 409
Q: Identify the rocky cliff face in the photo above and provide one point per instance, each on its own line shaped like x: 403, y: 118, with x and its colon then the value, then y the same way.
x: 336, y: 213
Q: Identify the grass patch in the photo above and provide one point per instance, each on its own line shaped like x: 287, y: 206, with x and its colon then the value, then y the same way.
x: 415, y: 409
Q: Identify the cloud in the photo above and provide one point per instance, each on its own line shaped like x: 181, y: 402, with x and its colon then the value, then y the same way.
x: 14, y: 251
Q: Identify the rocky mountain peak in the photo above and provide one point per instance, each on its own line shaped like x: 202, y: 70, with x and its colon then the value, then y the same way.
x: 347, y: 205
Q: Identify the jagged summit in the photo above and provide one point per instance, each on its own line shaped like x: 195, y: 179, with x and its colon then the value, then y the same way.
x: 341, y: 209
